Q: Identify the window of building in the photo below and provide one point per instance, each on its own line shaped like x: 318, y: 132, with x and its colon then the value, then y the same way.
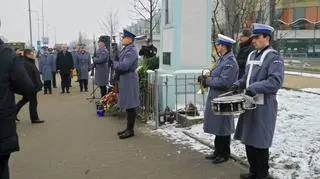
x: 166, y: 58
x: 299, y: 12
x: 167, y: 11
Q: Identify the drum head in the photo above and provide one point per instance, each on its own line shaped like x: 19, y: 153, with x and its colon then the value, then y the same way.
x: 229, y: 99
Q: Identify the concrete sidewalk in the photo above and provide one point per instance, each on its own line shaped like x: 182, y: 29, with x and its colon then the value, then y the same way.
x: 75, y: 144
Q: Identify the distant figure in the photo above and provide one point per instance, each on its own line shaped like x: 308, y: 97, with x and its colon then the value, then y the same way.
x: 114, y: 56
x: 34, y: 74
x: 148, y: 50
x: 74, y: 53
x: 53, y: 52
x: 65, y: 66
x: 46, y: 66
x: 245, y: 49
x: 82, y: 63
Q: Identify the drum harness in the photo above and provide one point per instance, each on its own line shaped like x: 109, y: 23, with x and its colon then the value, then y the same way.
x: 259, y: 99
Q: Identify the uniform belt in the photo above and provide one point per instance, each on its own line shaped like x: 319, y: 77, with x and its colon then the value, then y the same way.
x: 122, y: 72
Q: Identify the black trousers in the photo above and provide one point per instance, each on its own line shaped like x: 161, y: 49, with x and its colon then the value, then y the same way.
x: 131, y: 118
x: 33, y: 103
x: 4, y: 166
x: 258, y: 160
x: 83, y: 85
x: 222, y: 146
x: 54, y: 83
x: 47, y: 86
x: 103, y: 90
x: 65, y: 81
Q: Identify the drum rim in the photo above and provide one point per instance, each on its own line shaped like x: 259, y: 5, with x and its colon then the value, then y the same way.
x: 231, y: 101
x: 229, y: 113
x: 239, y: 98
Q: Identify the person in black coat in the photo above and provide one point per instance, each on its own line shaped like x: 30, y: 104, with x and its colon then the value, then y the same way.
x: 14, y: 79
x: 244, y: 51
x: 148, y: 50
x: 65, y: 67
x: 34, y: 74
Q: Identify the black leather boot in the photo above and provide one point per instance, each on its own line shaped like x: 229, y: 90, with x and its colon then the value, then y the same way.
x: 247, y: 176
x: 127, y: 134
x: 211, y: 156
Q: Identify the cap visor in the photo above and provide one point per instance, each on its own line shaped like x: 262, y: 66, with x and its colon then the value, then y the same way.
x: 254, y: 35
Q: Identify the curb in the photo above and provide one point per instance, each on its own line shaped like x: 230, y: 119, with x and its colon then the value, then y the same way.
x: 299, y: 90
x: 232, y: 156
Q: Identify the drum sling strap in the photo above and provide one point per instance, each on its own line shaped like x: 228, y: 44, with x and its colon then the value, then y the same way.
x: 259, y: 63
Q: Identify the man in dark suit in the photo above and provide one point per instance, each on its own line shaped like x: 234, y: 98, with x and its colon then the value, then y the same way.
x: 65, y: 66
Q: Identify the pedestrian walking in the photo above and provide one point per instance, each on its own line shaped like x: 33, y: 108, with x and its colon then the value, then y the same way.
x: 34, y: 74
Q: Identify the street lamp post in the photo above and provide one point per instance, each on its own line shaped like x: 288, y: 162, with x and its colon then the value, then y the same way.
x: 42, y: 22
x: 38, y: 22
x: 30, y: 24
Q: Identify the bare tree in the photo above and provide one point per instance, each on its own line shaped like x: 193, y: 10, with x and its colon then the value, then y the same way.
x: 232, y: 16
x: 147, y: 10
x: 111, y: 23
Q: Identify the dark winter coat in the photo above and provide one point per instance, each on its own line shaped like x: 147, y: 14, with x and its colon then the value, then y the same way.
x: 64, y: 63
x: 242, y: 56
x: 13, y: 79
x: 33, y: 73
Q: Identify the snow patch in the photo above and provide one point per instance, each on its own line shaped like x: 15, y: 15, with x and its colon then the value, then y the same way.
x: 295, y: 152
x: 313, y: 75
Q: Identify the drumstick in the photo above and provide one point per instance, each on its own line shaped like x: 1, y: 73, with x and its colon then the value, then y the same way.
x: 226, y: 94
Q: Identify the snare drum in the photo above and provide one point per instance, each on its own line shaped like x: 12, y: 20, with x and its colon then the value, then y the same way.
x: 229, y: 105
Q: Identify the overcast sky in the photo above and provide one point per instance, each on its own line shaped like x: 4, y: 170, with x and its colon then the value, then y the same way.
x: 67, y: 16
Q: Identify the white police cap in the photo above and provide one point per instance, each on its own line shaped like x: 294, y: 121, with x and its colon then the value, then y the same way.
x: 224, y: 40
x: 259, y: 29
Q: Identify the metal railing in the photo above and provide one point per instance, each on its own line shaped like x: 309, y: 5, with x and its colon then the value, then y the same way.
x: 172, y: 90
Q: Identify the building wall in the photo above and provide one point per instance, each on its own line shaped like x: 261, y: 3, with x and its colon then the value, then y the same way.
x: 187, y: 34
x: 194, y: 32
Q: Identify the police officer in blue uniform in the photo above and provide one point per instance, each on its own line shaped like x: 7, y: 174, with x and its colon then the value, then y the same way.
x: 82, y: 63
x: 128, y: 82
x: 262, y: 80
x: 221, y: 79
x: 100, y: 62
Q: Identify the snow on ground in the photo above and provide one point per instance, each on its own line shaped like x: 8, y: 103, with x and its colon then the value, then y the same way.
x: 296, y: 146
x: 314, y: 90
x: 314, y: 75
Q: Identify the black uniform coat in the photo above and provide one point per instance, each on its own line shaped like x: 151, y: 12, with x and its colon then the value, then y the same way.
x: 33, y: 73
